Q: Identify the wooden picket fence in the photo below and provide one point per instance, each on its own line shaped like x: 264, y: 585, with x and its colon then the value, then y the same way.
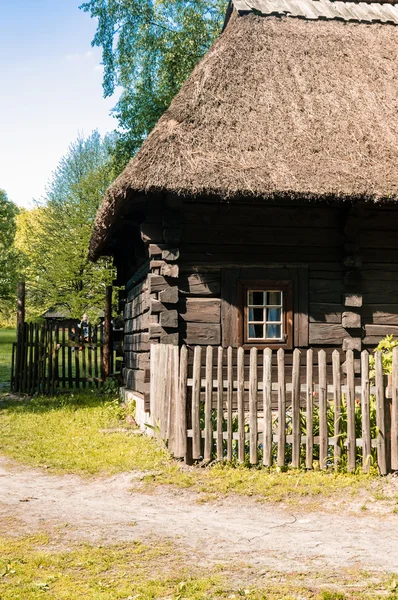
x: 47, y: 358
x: 219, y: 406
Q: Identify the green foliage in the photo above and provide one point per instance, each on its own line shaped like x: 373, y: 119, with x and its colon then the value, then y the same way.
x: 385, y: 346
x: 149, y: 49
x: 54, y: 237
x: 9, y: 257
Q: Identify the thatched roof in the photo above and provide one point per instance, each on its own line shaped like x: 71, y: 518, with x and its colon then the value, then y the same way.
x: 279, y: 106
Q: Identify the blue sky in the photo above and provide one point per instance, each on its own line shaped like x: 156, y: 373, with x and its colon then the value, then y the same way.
x: 50, y: 90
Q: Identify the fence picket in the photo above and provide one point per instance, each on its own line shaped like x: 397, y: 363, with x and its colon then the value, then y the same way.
x: 267, y: 407
x: 365, y: 410
x: 351, y: 437
x: 296, y: 409
x: 241, y: 405
x: 208, y: 404
x: 197, y: 357
x: 230, y: 391
x: 220, y: 403
x: 380, y: 416
x: 253, y: 385
x: 309, y: 412
x: 181, y: 416
x: 323, y: 423
x: 394, y: 411
x: 281, y: 408
x: 337, y: 408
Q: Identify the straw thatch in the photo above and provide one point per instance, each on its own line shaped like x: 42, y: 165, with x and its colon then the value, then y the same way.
x: 279, y: 106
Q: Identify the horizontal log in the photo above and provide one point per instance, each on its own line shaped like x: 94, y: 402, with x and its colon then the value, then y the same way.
x: 169, y: 295
x: 157, y: 283
x: 168, y: 318
x: 200, y: 334
x: 275, y: 216
x: 137, y: 360
x: 204, y: 284
x: 325, y: 313
x: 380, y: 314
x: 326, y: 333
x: 260, y: 235
x: 200, y: 310
x: 351, y: 320
x: 136, y: 342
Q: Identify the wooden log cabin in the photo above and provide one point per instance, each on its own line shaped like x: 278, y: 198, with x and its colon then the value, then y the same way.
x: 262, y: 209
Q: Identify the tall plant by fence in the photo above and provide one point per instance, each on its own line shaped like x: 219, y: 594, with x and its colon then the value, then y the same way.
x: 47, y: 358
x: 235, y: 405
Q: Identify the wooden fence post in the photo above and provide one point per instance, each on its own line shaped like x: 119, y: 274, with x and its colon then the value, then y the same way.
x: 365, y: 410
x: 394, y: 412
x: 106, y: 360
x: 380, y: 416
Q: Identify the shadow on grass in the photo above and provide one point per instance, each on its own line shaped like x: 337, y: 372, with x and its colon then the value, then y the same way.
x: 66, y: 400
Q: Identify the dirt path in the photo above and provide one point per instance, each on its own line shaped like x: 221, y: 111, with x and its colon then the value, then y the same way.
x: 232, y: 529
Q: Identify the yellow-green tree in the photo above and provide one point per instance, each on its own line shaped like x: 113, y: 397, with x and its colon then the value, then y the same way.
x: 54, y: 236
x: 9, y: 258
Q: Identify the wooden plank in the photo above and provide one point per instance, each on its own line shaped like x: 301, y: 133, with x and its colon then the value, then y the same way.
x: 208, y: 404
x: 77, y: 359
x: 69, y: 354
x: 95, y: 357
x: 200, y: 310
x: 201, y: 333
x: 380, y: 416
x: 309, y: 411
x: 351, y: 437
x: 55, y: 350
x: 253, y: 385
x: 267, y: 407
x: 43, y: 344
x: 31, y: 365
x: 326, y: 333
x: 230, y: 385
x: 63, y: 358
x: 181, y: 416
x: 220, y: 404
x: 199, y: 284
x: 241, y: 405
x: 337, y: 408
x: 196, y: 450
x: 90, y: 357
x: 281, y: 408
x: 394, y: 411
x: 84, y: 362
x: 323, y: 424
x: 365, y: 409
x: 296, y: 409
x: 50, y: 359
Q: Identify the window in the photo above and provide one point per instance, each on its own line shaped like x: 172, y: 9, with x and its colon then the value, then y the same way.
x: 267, y: 313
x: 277, y: 310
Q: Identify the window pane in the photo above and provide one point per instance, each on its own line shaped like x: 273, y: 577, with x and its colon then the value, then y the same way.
x: 274, y: 298
x: 256, y: 331
x: 256, y: 314
x: 274, y: 332
x: 256, y: 298
x: 274, y: 314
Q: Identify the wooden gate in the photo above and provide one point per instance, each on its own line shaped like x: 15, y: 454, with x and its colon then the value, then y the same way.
x: 49, y: 357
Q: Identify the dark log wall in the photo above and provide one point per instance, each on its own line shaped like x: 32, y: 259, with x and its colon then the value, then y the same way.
x: 236, y: 235
x: 349, y: 255
x: 136, y: 329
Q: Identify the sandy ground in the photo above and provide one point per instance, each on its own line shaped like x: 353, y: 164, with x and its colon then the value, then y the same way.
x: 238, y: 529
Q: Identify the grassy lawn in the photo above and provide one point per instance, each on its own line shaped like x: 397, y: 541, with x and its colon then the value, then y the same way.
x: 7, y: 337
x: 87, y: 434
x: 35, y: 567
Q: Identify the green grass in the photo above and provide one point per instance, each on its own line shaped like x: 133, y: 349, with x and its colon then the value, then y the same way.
x: 7, y: 337
x: 35, y: 567
x: 75, y: 433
